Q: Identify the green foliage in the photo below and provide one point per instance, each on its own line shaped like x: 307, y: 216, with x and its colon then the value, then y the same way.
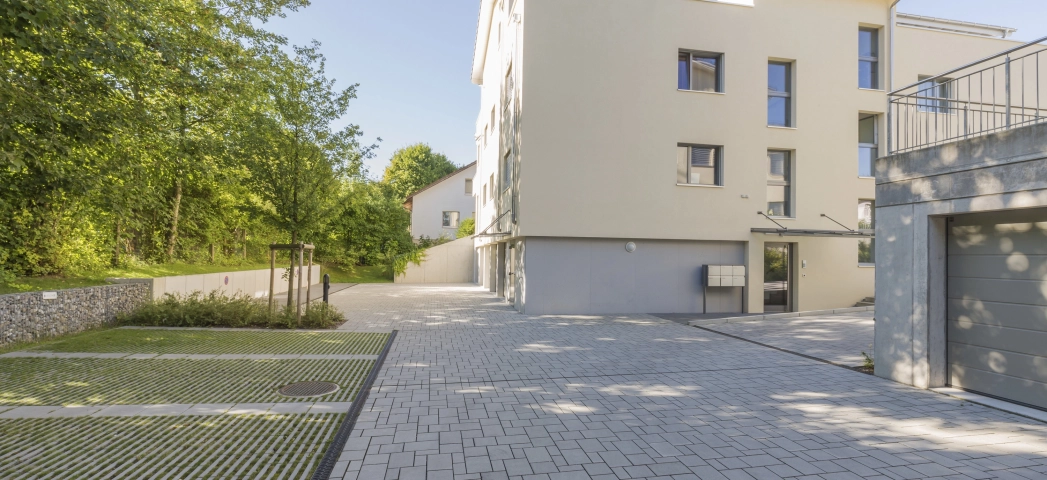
x: 400, y: 262
x: 414, y: 167
x: 149, y: 132
x: 216, y: 310
x: 868, y: 361
x: 866, y: 251
x: 371, y: 227
x: 360, y: 274
x: 467, y: 228
x: 775, y: 265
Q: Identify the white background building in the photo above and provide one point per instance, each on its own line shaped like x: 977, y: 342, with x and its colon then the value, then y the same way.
x: 439, y: 208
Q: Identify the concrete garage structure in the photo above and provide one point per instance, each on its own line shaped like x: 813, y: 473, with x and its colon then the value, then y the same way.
x: 961, y: 283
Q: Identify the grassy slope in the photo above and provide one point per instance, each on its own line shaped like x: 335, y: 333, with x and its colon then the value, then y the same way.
x: 360, y: 274
x: 363, y: 274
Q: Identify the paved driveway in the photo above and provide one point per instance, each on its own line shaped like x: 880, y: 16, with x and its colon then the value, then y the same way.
x: 840, y: 339
x: 472, y: 389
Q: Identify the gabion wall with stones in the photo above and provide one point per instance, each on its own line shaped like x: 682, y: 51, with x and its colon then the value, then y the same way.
x: 27, y: 316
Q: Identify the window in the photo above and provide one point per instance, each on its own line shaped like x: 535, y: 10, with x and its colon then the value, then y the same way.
x: 507, y: 170
x: 866, y: 221
x: 700, y: 72
x: 868, y: 149
x: 491, y: 183
x: 468, y: 186
x: 933, y: 95
x: 868, y: 58
x: 450, y: 219
x: 779, y: 94
x: 699, y: 165
x: 779, y: 183
x: 485, y: 195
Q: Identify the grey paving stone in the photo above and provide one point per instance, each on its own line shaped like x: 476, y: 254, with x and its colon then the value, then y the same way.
x: 485, y: 390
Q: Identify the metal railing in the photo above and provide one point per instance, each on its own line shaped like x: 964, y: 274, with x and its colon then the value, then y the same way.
x: 996, y: 93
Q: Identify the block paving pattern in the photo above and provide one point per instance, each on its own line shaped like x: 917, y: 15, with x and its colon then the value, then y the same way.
x: 837, y: 338
x: 474, y: 390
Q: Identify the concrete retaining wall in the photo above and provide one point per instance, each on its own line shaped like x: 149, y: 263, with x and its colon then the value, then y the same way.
x: 28, y: 316
x: 251, y: 282
x: 448, y: 263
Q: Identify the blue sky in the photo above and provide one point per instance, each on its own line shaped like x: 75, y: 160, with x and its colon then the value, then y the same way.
x: 412, y: 60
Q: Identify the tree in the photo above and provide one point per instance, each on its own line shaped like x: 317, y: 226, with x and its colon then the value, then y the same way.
x: 414, y: 167
x: 293, y: 157
x: 372, y: 227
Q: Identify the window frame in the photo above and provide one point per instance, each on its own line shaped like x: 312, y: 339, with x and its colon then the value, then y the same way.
x: 789, y: 170
x: 469, y: 187
x: 450, y: 221
x: 875, y: 60
x: 940, y: 103
x: 719, y: 88
x: 507, y: 169
x: 718, y: 169
x: 875, y: 146
x: 790, y: 87
x: 872, y: 241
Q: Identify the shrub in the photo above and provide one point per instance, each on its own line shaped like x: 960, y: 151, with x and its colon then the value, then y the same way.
x: 467, y: 228
x: 216, y: 310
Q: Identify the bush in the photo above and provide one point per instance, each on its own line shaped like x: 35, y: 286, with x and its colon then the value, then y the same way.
x: 216, y: 310
x: 467, y: 228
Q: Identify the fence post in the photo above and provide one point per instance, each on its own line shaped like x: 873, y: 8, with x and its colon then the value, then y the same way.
x: 327, y: 286
x: 1007, y: 88
x: 890, y: 123
x: 966, y: 109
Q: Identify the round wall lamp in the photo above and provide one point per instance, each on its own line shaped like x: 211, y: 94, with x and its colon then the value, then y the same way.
x: 630, y: 247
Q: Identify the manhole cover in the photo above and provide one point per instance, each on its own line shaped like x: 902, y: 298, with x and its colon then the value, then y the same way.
x: 308, y: 389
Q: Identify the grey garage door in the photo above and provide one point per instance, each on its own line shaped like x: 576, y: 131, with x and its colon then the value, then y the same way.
x: 997, y: 321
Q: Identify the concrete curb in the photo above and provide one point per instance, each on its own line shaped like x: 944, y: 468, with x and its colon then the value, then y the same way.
x: 779, y: 316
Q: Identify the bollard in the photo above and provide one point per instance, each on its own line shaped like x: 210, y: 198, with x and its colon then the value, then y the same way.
x: 327, y: 286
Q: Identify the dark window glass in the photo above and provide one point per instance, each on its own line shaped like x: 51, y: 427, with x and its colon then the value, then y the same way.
x: 779, y: 93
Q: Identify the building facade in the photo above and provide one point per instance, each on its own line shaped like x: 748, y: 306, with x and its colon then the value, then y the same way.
x: 440, y: 207
x: 624, y: 147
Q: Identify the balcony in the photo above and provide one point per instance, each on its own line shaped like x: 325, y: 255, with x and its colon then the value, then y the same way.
x: 997, y: 93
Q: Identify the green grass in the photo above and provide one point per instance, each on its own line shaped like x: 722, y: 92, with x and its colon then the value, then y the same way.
x: 277, y: 447
x: 360, y: 274
x: 95, y: 381
x: 161, y: 341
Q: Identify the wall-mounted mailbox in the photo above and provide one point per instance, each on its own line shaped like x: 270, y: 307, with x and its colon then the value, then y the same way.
x: 725, y: 275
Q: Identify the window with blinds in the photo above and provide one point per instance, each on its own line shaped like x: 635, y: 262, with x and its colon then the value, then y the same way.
x: 779, y: 183
x: 699, y: 165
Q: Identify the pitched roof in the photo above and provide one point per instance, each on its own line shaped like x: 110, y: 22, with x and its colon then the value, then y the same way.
x: 410, y: 198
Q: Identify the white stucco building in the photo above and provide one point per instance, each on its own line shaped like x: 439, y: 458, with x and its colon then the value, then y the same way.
x: 440, y: 207
x: 625, y: 146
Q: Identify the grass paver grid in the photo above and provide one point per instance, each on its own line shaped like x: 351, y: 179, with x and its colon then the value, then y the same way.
x: 164, y: 341
x: 269, y: 447
x: 36, y: 381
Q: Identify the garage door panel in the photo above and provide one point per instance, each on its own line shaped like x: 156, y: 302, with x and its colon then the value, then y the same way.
x: 997, y: 304
x: 1018, y: 389
x: 1029, y: 317
x: 987, y: 239
x: 1005, y: 363
x: 1016, y: 340
x: 1008, y: 291
x: 1015, y: 266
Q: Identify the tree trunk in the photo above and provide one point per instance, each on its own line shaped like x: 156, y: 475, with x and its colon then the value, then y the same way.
x: 290, y: 276
x: 116, y: 243
x: 172, y: 236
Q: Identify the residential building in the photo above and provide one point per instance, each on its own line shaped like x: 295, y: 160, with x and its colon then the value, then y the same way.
x: 439, y: 208
x: 628, y: 150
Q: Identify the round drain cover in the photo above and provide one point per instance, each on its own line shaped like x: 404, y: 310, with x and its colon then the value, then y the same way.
x: 308, y: 389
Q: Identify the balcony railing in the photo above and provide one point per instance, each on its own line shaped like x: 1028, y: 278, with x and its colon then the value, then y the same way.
x: 990, y: 95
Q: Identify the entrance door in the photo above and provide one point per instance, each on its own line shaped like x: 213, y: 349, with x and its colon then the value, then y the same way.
x: 776, y: 277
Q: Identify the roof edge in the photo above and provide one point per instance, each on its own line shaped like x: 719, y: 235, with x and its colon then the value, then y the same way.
x: 483, y: 37
x: 438, y: 181
x: 954, y: 26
